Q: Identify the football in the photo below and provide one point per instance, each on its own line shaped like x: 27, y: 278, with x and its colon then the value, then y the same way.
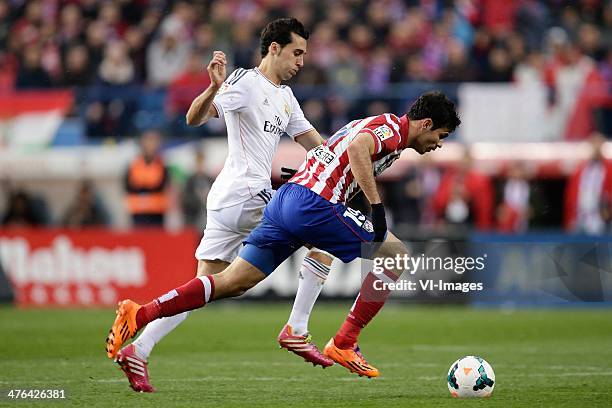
x: 470, y: 377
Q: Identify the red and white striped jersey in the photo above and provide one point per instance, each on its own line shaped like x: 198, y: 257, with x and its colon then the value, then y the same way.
x: 327, y: 170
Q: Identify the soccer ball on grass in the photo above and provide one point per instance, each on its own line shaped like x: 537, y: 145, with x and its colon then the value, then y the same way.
x: 470, y: 377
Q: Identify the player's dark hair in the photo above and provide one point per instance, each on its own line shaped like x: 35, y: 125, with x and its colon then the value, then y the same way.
x: 438, y: 107
x: 279, y: 31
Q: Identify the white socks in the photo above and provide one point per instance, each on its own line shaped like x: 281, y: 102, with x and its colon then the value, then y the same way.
x: 312, y: 277
x: 154, y: 332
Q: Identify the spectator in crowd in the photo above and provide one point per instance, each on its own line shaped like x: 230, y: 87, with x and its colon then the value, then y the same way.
x: 23, y: 210
x: 71, y: 26
x: 411, y: 196
x: 530, y: 72
x: 96, y: 38
x: 345, y: 75
x: 357, y: 48
x: 411, y: 68
x: 86, y: 209
x: 532, y: 18
x: 575, y: 84
x: 195, y: 193
x: 204, y: 40
x: 588, y: 194
x: 109, y: 14
x: 429, y: 176
x: 243, y: 43
x: 514, y: 210
x: 500, y: 66
x: 147, y: 184
x: 5, y: 23
x: 77, y: 67
x: 321, y: 45
x: 135, y: 40
x: 337, y: 107
x: 186, y: 86
x: 31, y: 73
x: 378, y: 73
x: 465, y: 196
x: 116, y: 68
x: 459, y: 68
x: 168, y: 55
x: 404, y: 196
x: 110, y: 110
x: 316, y: 113
x: 182, y: 19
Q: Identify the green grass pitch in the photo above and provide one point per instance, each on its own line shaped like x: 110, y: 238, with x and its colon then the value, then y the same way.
x: 226, y: 355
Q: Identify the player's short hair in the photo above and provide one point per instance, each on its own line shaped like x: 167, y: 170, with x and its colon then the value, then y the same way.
x: 438, y: 107
x: 279, y: 31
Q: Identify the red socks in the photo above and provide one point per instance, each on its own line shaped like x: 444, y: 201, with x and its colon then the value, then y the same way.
x: 366, y: 306
x: 192, y: 295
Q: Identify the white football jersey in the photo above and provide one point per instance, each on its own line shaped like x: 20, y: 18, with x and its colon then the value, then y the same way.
x: 256, y: 112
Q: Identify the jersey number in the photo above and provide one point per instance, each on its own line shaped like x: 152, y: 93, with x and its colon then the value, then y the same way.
x: 359, y: 219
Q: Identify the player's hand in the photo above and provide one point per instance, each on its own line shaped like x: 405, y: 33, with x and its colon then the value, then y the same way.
x: 379, y: 222
x: 287, y: 173
x: 217, y: 68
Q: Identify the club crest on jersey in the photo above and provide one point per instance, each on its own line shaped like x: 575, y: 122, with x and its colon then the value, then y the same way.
x: 287, y: 111
x: 383, y: 132
x: 224, y: 87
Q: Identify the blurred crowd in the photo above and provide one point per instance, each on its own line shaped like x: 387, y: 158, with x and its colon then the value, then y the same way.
x: 428, y: 198
x: 129, y: 61
x: 356, y: 47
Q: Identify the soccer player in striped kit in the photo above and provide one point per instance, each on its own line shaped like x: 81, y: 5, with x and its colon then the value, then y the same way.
x: 310, y: 211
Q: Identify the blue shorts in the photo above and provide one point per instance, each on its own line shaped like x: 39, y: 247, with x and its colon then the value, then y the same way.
x: 296, y: 216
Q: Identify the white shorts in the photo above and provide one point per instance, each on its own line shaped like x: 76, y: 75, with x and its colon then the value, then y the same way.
x: 228, y: 227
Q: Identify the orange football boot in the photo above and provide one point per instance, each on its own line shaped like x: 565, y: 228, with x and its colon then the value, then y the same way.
x: 351, y: 358
x: 123, y: 328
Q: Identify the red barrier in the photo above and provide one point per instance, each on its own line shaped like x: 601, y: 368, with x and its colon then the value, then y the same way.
x: 95, y: 267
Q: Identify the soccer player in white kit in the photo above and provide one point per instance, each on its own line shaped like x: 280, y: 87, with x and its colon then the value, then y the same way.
x: 257, y: 110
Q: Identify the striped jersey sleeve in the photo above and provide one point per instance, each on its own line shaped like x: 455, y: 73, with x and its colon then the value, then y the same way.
x: 327, y: 170
x: 385, y: 131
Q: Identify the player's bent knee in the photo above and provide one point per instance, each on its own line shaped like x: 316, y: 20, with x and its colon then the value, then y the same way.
x: 320, y: 256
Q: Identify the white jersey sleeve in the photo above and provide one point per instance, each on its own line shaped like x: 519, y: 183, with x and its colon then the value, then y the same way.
x: 233, y: 96
x: 298, y: 124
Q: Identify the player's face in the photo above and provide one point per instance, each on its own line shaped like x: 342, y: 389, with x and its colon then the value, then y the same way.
x: 291, y: 57
x: 429, y: 140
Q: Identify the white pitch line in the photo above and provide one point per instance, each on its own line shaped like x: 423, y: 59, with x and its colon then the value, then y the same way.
x: 293, y: 379
x: 161, y: 380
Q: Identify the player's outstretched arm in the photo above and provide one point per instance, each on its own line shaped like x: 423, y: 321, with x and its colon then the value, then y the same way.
x: 201, y: 108
x: 310, y: 139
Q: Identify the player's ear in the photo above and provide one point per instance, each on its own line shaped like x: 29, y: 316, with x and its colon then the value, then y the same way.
x: 273, y: 48
x: 427, y: 124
